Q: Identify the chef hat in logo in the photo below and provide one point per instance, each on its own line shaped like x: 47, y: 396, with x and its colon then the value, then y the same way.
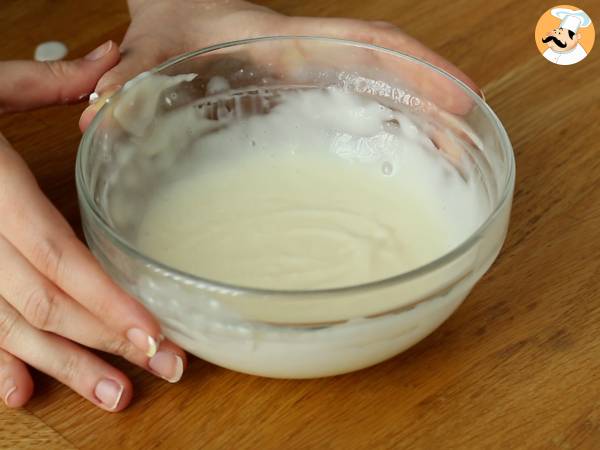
x: 571, y: 19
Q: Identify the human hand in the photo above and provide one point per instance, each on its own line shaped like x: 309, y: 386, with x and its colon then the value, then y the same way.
x: 161, y: 29
x: 54, y: 298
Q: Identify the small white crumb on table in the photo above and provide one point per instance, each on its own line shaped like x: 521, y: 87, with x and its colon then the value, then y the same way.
x: 50, y: 51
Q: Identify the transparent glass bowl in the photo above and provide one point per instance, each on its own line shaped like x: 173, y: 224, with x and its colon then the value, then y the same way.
x: 309, y: 333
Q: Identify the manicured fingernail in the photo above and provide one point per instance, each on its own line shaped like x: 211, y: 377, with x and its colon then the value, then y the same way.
x: 97, y: 101
x: 143, y: 341
x: 167, y: 365
x: 99, y: 52
x: 9, y: 388
x: 109, y: 393
x: 100, y: 99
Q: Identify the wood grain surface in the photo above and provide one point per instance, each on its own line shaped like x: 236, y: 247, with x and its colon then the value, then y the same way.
x: 517, y: 366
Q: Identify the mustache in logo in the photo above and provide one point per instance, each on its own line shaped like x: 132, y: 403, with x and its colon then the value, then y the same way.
x: 555, y: 40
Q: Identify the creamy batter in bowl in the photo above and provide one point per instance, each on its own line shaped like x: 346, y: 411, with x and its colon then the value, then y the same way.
x: 296, y: 207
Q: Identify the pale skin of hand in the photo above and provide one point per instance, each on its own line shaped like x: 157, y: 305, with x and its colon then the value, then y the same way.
x: 55, y: 301
x: 161, y: 29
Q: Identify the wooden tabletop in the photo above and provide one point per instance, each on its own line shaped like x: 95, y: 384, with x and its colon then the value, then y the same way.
x: 517, y: 366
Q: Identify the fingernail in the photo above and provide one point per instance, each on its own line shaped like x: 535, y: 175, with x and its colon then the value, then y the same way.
x: 99, y: 52
x: 100, y: 99
x: 109, y: 393
x: 143, y: 341
x: 10, y: 388
x: 167, y: 365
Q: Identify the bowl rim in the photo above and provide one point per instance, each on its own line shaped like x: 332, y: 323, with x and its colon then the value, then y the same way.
x: 453, y: 254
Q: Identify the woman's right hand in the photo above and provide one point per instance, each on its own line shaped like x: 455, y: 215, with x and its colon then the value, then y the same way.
x: 55, y: 301
x: 162, y: 29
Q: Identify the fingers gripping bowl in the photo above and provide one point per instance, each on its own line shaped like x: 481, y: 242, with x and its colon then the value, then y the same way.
x: 296, y: 207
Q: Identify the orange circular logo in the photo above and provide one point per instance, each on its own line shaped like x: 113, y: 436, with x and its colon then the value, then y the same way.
x: 565, y: 35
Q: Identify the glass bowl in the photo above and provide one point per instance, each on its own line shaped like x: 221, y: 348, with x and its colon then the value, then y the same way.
x: 302, y: 333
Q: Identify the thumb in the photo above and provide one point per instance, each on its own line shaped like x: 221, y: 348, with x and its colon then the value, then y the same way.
x: 31, y: 84
x: 134, y: 59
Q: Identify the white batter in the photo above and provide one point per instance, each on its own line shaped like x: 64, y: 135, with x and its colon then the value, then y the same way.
x: 50, y: 51
x: 327, y: 190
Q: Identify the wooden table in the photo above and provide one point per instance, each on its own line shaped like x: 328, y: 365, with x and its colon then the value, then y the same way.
x: 518, y: 366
